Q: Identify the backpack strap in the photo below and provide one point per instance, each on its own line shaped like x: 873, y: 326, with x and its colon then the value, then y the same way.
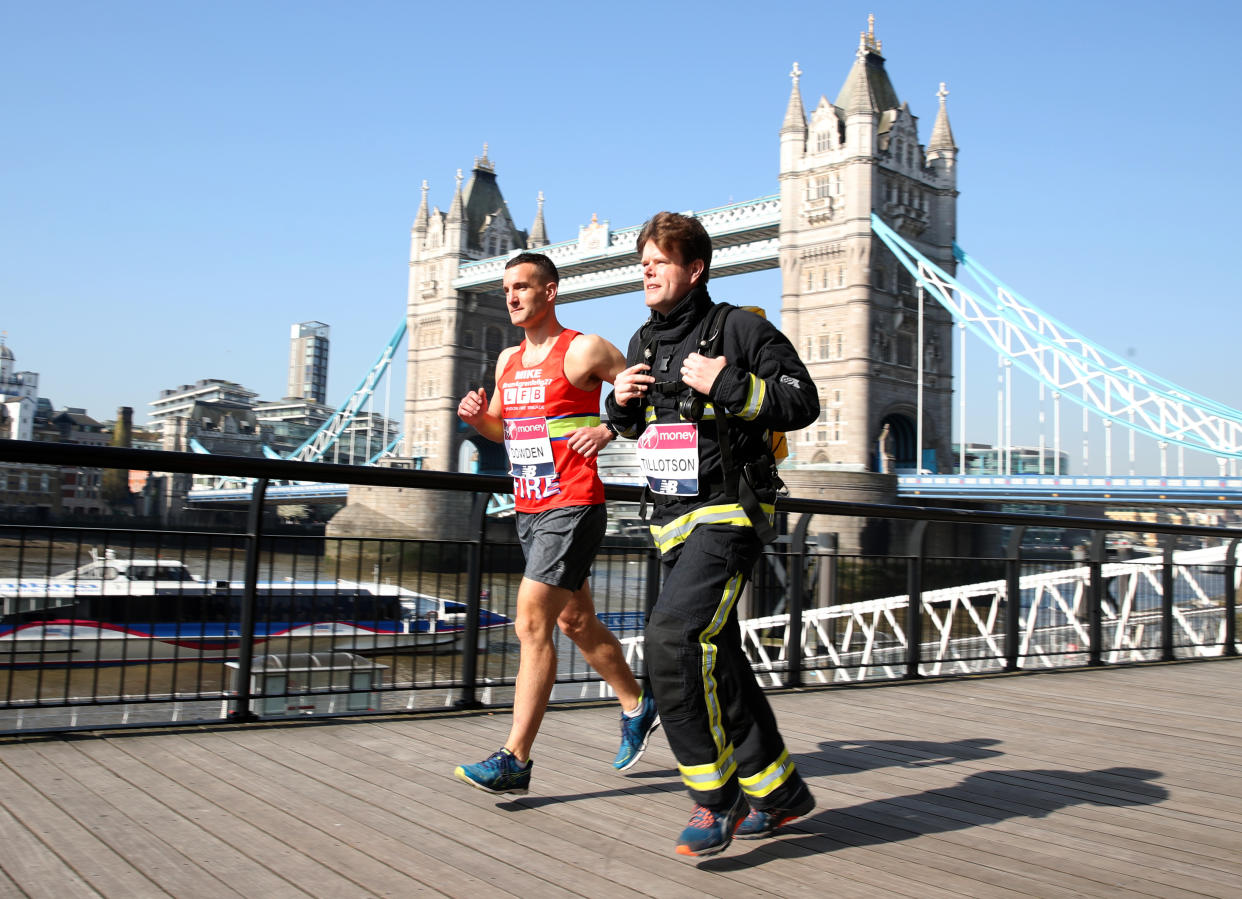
x: 737, y: 485
x: 712, y: 340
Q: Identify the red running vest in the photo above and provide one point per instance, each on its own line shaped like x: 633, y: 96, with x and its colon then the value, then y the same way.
x: 541, y: 408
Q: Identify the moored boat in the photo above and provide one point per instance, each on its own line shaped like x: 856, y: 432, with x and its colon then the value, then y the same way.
x: 141, y: 610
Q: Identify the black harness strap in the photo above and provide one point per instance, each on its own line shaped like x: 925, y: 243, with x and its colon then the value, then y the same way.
x: 736, y: 481
x: 737, y: 486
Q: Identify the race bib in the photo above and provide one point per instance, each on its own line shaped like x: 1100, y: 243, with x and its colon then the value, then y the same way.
x: 528, y: 447
x: 668, y: 457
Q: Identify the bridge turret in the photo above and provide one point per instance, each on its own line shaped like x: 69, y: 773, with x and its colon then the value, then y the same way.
x: 420, y: 220
x: 857, y: 102
x: 418, y: 232
x: 792, y: 159
x: 941, y: 149
x: 793, y: 129
x: 942, y: 160
x: 455, y: 224
x: 539, y: 230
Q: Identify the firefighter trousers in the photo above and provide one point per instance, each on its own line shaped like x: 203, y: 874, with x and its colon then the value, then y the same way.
x: 717, y: 720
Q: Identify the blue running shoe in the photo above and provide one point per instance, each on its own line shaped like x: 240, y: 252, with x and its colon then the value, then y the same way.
x: 762, y: 823
x: 636, y: 730
x: 710, y: 832
x: 500, y: 772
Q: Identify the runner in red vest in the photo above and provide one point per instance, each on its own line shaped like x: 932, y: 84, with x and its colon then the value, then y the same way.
x: 546, y: 410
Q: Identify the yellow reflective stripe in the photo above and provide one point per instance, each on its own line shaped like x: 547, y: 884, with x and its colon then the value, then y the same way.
x: 754, y: 398
x: 769, y: 778
x: 675, y: 532
x: 712, y: 776
x: 709, y: 414
x: 562, y: 427
x: 711, y: 693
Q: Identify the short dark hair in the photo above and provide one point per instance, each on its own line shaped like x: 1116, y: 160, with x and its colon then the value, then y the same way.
x: 545, y: 266
x: 683, y: 234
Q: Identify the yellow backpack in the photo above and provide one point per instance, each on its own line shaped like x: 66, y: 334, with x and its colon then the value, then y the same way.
x: 780, y: 447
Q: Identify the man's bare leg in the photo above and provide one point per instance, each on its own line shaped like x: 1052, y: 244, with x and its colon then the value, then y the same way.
x: 538, y: 607
x: 599, y: 646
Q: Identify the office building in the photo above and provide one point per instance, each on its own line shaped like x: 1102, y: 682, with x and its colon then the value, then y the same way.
x: 308, y: 362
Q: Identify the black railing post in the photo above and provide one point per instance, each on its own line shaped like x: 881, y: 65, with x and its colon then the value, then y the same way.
x: 1166, y: 601
x: 796, y: 578
x: 1231, y: 599
x: 474, y: 598
x: 1095, y: 599
x: 914, y: 604
x: 245, y: 651
x: 1013, y: 596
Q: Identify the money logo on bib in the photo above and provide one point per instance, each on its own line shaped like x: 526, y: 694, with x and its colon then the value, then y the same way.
x: 668, y: 457
x: 528, y: 447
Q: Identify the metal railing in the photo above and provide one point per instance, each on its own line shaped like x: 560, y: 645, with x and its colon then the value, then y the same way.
x: 106, y: 627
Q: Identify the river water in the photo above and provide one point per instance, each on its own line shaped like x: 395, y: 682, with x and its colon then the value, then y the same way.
x: 199, y: 690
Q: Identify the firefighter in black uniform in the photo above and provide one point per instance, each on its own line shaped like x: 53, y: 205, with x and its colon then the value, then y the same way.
x: 703, y: 408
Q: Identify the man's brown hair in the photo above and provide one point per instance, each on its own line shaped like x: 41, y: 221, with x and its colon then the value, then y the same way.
x: 543, y: 265
x: 684, y: 235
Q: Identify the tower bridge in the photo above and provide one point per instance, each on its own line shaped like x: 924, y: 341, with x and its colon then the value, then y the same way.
x: 863, y: 230
x: 880, y: 353
x: 846, y: 302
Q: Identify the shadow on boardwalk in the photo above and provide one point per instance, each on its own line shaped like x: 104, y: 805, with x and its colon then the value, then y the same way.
x: 980, y: 800
x: 1112, y: 782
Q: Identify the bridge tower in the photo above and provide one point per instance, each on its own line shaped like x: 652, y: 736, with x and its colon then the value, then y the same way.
x: 850, y: 308
x: 454, y: 336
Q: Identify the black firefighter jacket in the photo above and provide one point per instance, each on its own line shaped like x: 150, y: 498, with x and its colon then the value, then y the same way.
x: 763, y: 388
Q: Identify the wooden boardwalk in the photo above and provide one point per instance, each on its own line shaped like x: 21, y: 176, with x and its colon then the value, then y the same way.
x: 1117, y: 782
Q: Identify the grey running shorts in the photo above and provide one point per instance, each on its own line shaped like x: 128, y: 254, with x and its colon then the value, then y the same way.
x: 560, y: 544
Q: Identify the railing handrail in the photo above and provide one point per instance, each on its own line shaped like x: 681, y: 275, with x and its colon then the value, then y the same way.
x: 807, y: 633
x: 67, y: 454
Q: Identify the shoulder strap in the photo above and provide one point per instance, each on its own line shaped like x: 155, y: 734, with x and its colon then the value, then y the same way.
x: 712, y: 340
x: 736, y: 484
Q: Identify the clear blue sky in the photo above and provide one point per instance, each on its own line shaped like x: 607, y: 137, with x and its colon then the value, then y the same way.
x: 180, y: 182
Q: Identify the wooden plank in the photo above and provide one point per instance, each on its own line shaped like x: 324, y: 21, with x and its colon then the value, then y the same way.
x: 86, y: 793
x: 28, y: 868
x: 1091, y: 783
x: 673, y: 819
x: 197, y: 795
x: 540, y: 843
x: 431, y: 819
x: 49, y: 843
x: 224, y: 867
x: 353, y: 848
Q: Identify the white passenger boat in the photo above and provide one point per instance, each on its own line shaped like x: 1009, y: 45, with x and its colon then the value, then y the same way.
x: 139, y: 610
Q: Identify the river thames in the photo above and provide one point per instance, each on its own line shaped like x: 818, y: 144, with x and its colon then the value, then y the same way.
x: 200, y: 689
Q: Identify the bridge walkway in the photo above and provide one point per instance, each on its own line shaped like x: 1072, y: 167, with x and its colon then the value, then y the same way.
x: 1115, y: 782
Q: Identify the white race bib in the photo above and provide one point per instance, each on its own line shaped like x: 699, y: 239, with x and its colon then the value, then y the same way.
x: 528, y: 447
x: 668, y: 457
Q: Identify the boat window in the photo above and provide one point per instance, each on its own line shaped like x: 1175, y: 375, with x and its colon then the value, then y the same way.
x: 316, y: 604
x: 420, y: 606
x: 173, y: 573
x: 186, y: 605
